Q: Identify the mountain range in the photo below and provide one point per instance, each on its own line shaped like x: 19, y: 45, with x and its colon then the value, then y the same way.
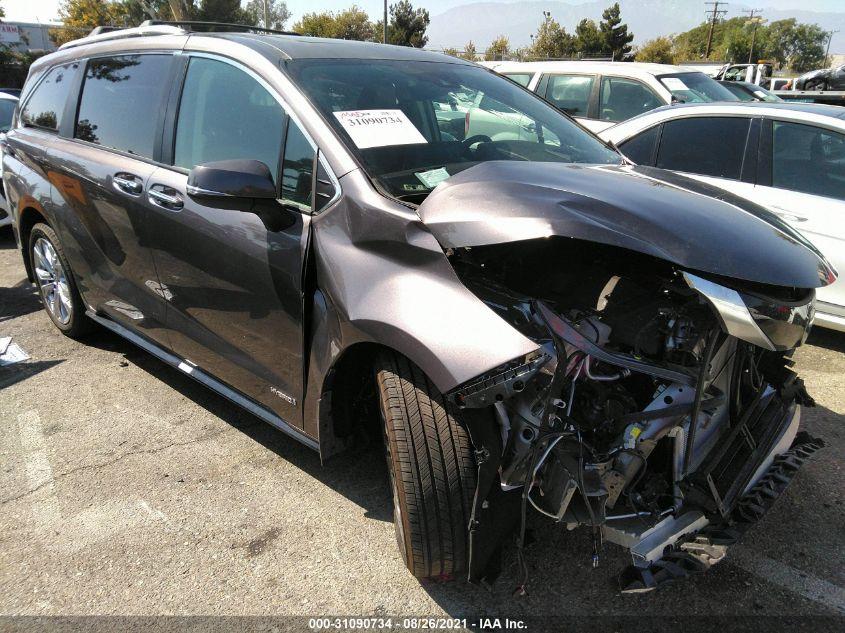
x: 481, y: 22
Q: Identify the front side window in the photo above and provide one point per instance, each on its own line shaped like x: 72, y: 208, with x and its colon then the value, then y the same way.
x: 640, y: 148
x: 46, y: 104
x: 710, y: 146
x: 808, y: 159
x: 298, y: 169
x: 7, y: 111
x: 523, y: 79
x: 226, y: 114
x: 121, y: 102
x: 623, y: 99
x: 571, y: 93
x: 414, y: 124
x: 695, y: 88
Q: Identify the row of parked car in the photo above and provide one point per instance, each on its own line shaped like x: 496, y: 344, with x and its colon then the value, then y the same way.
x: 787, y: 157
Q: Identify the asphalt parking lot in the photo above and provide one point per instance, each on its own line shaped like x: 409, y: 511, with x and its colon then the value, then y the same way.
x: 129, y: 489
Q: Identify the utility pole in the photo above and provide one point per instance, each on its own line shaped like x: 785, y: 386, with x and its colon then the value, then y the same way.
x: 266, y: 18
x: 384, y: 25
x: 714, y: 16
x: 755, y: 20
x: 830, y: 35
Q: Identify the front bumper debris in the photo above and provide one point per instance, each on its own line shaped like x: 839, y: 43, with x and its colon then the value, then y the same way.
x: 700, y: 551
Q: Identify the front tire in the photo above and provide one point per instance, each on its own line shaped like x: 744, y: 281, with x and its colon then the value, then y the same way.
x: 432, y: 470
x: 56, y: 285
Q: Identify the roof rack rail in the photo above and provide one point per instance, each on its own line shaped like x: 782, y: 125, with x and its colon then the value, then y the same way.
x: 106, y: 33
x: 99, y: 30
x: 215, y: 27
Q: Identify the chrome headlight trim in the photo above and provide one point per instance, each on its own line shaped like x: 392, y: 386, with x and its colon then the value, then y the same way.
x: 731, y: 309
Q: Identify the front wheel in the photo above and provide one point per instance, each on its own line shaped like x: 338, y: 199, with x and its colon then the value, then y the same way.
x: 432, y: 470
x: 55, y: 282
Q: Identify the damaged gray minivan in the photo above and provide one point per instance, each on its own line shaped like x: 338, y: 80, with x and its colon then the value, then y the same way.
x: 326, y: 232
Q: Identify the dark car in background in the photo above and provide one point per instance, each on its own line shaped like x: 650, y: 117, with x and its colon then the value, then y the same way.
x: 534, y: 323
x: 822, y: 79
x: 747, y: 91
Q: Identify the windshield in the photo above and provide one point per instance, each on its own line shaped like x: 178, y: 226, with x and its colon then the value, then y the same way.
x: 695, y: 88
x: 414, y: 124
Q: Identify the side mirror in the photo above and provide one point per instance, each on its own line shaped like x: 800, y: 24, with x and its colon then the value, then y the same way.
x: 231, y: 179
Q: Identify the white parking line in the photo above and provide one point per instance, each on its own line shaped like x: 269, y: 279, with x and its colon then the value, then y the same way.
x: 39, y: 473
x: 789, y: 578
x: 84, y: 528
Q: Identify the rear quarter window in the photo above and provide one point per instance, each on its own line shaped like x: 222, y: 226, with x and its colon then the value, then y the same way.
x: 640, y: 148
x: 523, y: 79
x: 44, y: 107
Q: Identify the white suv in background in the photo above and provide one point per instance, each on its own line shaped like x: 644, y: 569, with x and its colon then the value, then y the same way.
x: 601, y: 94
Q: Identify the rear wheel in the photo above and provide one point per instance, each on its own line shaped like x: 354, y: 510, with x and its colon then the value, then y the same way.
x: 432, y: 470
x: 55, y: 282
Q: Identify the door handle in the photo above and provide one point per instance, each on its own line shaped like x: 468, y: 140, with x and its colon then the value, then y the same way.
x: 127, y: 183
x: 171, y: 202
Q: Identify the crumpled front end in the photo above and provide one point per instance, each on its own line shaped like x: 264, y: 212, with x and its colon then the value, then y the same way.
x: 660, y: 411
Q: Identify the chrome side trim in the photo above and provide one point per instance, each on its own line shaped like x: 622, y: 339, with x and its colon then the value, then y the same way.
x: 829, y: 320
x: 193, y: 190
x: 189, y: 369
x: 732, y: 311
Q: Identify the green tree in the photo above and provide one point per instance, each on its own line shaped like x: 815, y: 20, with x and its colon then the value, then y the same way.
x: 228, y: 11
x: 589, y: 40
x: 451, y: 51
x: 80, y: 16
x: 800, y: 47
x: 136, y: 11
x: 277, y: 13
x: 353, y: 24
x: 807, y: 47
x: 617, y: 40
x: 658, y: 51
x: 407, y: 25
x: 552, y: 41
x: 316, y: 24
x: 498, y: 49
x: 469, y: 52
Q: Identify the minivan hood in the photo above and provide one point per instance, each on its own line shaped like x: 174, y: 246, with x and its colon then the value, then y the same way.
x: 684, y: 221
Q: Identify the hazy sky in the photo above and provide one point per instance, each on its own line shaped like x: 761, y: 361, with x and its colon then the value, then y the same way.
x: 47, y: 10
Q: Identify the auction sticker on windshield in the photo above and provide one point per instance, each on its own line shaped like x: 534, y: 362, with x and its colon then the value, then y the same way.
x: 379, y: 128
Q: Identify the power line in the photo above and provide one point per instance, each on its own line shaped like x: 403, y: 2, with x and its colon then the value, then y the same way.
x: 829, y: 40
x: 755, y: 20
x: 715, y: 14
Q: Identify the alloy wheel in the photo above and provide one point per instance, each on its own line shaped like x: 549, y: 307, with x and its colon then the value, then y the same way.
x: 52, y: 281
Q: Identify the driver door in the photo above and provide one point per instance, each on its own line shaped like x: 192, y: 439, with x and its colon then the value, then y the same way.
x: 231, y: 270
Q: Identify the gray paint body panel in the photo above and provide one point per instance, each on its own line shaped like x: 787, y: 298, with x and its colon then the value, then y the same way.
x: 642, y: 209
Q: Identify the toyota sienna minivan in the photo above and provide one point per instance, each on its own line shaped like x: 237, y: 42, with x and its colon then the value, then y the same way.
x: 334, y: 233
